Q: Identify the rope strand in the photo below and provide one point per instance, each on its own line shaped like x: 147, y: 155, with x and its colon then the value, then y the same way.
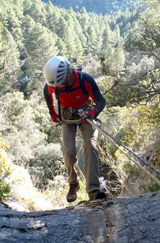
x: 139, y: 158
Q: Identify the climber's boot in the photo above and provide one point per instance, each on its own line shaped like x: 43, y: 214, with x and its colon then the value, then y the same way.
x: 97, y: 194
x: 72, y: 194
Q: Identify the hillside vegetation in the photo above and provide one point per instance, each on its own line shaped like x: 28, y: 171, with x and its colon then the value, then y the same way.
x: 121, y: 51
x: 99, y: 6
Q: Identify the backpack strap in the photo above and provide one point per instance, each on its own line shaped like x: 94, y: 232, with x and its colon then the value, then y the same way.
x: 59, y: 107
x: 81, y: 82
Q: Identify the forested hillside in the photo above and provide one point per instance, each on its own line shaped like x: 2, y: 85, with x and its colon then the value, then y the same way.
x: 34, y: 31
x: 120, y: 50
x: 99, y: 6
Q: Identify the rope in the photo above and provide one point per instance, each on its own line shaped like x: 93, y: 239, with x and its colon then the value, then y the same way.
x: 139, y: 158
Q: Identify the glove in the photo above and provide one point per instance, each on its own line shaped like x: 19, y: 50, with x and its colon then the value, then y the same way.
x: 55, y: 117
x: 90, y: 115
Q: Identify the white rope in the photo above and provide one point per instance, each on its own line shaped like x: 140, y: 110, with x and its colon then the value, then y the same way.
x: 116, y: 141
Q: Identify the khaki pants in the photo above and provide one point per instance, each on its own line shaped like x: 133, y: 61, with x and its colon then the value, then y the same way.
x: 91, y: 159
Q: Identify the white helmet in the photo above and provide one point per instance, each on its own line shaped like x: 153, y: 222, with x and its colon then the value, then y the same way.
x: 56, y: 70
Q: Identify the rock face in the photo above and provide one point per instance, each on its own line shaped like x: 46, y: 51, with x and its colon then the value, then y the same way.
x: 134, y: 219
x: 126, y: 220
x: 58, y: 226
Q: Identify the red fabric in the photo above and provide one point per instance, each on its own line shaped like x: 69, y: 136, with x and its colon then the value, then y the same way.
x: 90, y: 115
x: 73, y: 99
x: 55, y: 117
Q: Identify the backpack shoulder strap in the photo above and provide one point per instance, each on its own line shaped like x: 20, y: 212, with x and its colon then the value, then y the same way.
x: 57, y: 97
x: 56, y: 93
x: 81, y: 83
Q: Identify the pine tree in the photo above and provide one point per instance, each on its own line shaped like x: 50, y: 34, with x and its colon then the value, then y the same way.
x: 40, y: 46
x: 69, y: 39
x: 61, y: 27
x: 116, y: 34
x: 108, y: 58
x: 84, y: 19
x: 119, y: 59
x: 26, y: 6
x: 37, y: 12
x: 106, y: 35
x: 91, y: 40
x: 9, y: 60
x: 79, y: 34
x: 52, y: 17
x: 98, y: 28
x: 27, y: 25
x: 61, y: 47
x: 14, y: 26
x: 79, y: 53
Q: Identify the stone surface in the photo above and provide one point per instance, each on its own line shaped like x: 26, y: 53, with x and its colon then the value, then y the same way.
x: 121, y: 220
x: 75, y: 224
x: 135, y: 219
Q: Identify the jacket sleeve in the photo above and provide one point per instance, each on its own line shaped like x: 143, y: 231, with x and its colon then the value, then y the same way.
x: 49, y: 100
x: 94, y: 92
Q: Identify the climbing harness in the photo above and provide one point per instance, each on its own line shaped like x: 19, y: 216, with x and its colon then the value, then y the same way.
x: 70, y: 115
x: 117, y: 142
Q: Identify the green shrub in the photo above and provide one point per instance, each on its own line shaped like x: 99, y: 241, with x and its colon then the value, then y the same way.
x: 46, y: 164
x: 5, y: 172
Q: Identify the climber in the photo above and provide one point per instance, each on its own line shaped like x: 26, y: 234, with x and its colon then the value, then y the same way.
x: 75, y: 90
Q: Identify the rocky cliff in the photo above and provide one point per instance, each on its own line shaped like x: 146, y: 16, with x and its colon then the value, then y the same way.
x: 126, y: 220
